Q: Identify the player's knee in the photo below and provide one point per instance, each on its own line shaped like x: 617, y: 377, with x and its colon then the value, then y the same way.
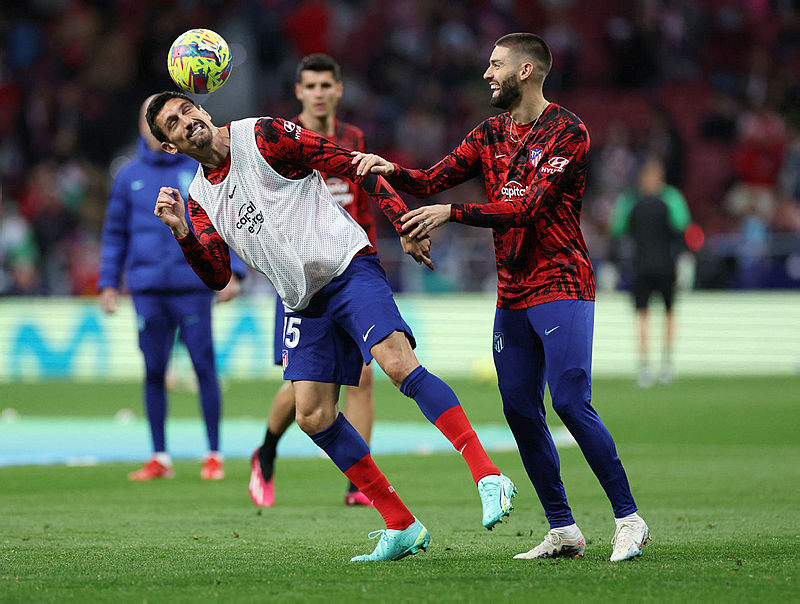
x: 511, y: 412
x: 396, y: 369
x: 520, y: 406
x: 155, y: 376
x: 314, y: 418
x: 572, y: 393
x: 395, y: 356
x: 307, y: 422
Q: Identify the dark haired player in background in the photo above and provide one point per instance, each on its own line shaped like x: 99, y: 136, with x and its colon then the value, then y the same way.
x: 533, y: 160
x: 319, y: 88
x: 259, y: 190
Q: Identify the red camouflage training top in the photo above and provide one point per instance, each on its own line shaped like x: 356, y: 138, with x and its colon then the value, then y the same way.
x: 535, y: 179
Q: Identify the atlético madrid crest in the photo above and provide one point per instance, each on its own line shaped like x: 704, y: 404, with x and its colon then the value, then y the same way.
x: 536, y: 154
x: 498, y: 341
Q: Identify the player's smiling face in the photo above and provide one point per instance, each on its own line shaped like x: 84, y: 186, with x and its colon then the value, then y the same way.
x: 319, y: 92
x: 503, y: 78
x: 187, y: 127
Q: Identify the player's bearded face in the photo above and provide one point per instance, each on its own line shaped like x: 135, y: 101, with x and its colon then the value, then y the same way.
x: 196, y: 131
x: 503, y: 77
x: 510, y: 91
x: 186, y: 126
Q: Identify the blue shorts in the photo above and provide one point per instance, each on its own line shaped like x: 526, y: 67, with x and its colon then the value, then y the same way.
x: 277, y: 340
x: 330, y: 339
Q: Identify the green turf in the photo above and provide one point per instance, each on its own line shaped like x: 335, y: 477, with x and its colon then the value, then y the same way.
x: 714, y: 465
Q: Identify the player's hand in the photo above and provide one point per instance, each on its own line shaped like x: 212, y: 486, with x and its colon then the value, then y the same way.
x: 109, y: 299
x: 170, y: 209
x: 418, y: 223
x: 369, y: 162
x: 230, y: 291
x: 418, y: 249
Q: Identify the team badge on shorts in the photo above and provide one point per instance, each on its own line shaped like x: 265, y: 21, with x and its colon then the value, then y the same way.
x: 498, y: 341
x: 285, y: 359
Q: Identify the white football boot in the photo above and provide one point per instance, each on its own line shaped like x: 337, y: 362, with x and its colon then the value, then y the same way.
x: 630, y: 537
x: 563, y: 542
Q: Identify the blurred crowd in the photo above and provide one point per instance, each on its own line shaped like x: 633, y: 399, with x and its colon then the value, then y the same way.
x: 710, y: 86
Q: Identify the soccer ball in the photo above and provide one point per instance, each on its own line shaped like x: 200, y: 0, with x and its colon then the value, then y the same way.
x: 199, y: 61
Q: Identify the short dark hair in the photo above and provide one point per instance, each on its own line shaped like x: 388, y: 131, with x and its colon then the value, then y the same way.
x: 156, y: 105
x: 319, y: 62
x: 532, y: 47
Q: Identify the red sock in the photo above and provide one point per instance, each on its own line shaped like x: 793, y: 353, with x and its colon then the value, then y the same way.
x: 454, y: 424
x: 371, y: 481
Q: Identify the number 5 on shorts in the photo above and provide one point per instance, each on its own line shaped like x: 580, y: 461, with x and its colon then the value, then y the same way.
x: 291, y: 331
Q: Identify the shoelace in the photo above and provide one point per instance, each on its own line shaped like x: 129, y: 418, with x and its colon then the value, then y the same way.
x: 624, y: 531
x: 553, y: 538
x: 376, y: 534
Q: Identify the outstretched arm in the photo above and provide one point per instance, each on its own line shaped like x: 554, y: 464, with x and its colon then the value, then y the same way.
x: 568, y: 158
x: 206, y: 252
x: 288, y: 142
x: 462, y: 164
x: 286, y: 145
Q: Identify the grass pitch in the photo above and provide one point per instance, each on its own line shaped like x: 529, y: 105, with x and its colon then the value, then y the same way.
x: 714, y: 466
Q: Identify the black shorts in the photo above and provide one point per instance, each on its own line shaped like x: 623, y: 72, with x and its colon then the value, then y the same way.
x: 645, y: 284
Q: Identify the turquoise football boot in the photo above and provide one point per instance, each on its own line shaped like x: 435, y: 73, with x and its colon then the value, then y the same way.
x: 496, y: 494
x: 396, y: 544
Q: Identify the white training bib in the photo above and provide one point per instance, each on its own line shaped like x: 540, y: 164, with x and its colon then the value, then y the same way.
x: 292, y: 231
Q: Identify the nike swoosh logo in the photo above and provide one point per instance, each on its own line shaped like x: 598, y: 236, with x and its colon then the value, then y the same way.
x: 547, y: 332
x: 366, y: 335
x: 232, y: 192
x: 500, y: 155
x: 461, y: 452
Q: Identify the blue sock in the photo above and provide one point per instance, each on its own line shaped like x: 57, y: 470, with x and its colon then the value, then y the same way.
x: 431, y: 394
x: 342, y: 443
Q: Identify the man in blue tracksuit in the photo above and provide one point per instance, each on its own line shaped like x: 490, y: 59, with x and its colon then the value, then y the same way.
x: 167, y: 294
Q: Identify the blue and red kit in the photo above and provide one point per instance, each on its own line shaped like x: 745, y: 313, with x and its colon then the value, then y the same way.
x: 348, y: 195
x: 344, y: 320
x: 292, y: 156
x: 534, y: 179
x: 535, y: 175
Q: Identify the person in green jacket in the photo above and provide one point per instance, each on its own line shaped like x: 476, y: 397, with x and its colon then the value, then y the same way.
x: 654, y: 215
